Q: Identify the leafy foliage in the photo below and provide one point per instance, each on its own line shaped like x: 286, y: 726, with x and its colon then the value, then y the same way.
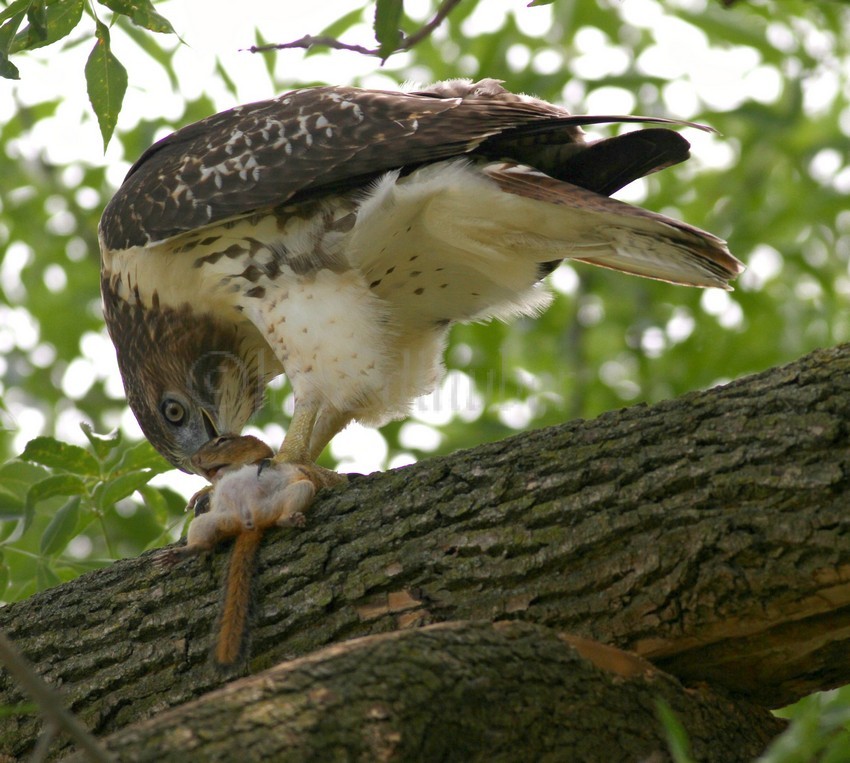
x: 49, y: 21
x: 677, y: 738
x: 388, y: 14
x: 56, y: 492
x: 820, y: 732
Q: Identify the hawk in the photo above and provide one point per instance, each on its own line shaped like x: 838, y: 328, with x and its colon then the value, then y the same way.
x: 335, y: 234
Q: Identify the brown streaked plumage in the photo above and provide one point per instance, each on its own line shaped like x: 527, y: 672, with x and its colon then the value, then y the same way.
x: 335, y: 234
x: 192, y: 355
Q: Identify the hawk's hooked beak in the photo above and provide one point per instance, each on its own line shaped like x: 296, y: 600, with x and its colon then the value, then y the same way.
x: 212, y: 431
x: 209, y: 424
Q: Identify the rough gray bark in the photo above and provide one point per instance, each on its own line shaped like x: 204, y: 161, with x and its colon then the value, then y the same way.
x: 708, y: 533
x: 451, y: 692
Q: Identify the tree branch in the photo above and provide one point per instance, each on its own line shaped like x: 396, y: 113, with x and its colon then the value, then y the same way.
x: 309, y: 41
x: 457, y: 691
x: 708, y: 534
x: 426, y: 30
x: 406, y: 43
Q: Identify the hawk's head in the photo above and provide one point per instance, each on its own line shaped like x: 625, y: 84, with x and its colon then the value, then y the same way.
x: 188, y: 376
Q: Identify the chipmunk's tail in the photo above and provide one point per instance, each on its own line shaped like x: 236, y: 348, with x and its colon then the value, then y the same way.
x: 237, y: 596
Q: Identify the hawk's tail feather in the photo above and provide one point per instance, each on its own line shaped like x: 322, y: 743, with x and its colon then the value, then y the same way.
x: 679, y: 261
x: 601, y: 119
x: 616, y: 235
x: 608, y: 165
x: 603, y: 166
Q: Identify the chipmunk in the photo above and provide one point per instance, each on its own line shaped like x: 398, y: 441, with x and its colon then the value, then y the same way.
x: 248, y: 494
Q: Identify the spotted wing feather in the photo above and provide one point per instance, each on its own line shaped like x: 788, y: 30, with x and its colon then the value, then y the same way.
x: 325, y: 139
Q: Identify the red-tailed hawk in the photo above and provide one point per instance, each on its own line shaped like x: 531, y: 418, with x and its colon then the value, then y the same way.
x: 335, y: 235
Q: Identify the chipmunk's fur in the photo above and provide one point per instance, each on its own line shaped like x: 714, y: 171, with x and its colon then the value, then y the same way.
x: 249, y: 493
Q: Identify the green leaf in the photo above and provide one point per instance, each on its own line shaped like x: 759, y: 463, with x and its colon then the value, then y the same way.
x: 121, y: 487
x: 175, y: 503
x: 8, y: 528
x: 7, y: 33
x: 155, y: 501
x: 107, y: 82
x: 11, y: 505
x: 818, y: 730
x: 142, y: 13
x: 46, y: 577
x: 4, y: 576
x: 142, y: 456
x: 102, y: 444
x: 61, y: 528
x: 48, y: 451
x: 533, y: 3
x: 229, y: 84
x: 7, y: 69
x: 37, y: 16
x: 57, y: 19
x: 388, y: 15
x: 268, y: 56
x: 17, y: 476
x: 18, y: 8
x: 59, y: 484
x: 677, y: 737
x: 838, y: 749
x: 340, y: 26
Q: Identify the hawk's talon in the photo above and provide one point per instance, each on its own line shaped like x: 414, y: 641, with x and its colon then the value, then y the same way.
x: 199, y: 503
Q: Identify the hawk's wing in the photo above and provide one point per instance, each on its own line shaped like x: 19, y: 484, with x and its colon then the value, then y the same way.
x: 268, y: 153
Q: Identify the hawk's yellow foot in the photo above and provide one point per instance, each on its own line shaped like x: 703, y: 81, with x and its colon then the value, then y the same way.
x: 306, y: 439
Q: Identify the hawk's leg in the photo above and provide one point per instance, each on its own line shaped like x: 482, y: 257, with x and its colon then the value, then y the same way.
x: 296, y: 445
x: 308, y: 434
x: 327, y: 425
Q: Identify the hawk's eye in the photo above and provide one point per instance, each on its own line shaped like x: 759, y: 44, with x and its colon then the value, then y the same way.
x: 173, y: 411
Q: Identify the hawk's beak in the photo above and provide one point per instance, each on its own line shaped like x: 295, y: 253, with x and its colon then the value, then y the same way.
x: 211, y: 431
x: 209, y: 424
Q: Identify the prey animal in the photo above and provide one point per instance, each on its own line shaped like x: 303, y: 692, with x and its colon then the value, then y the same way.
x: 245, y: 498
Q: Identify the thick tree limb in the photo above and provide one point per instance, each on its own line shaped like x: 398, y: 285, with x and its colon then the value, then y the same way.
x: 50, y: 703
x: 460, y: 691
x: 708, y: 534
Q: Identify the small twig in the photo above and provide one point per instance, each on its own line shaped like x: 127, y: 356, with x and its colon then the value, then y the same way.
x: 49, y: 702
x: 406, y: 43
x: 308, y: 41
x: 42, y: 746
x: 424, y: 31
